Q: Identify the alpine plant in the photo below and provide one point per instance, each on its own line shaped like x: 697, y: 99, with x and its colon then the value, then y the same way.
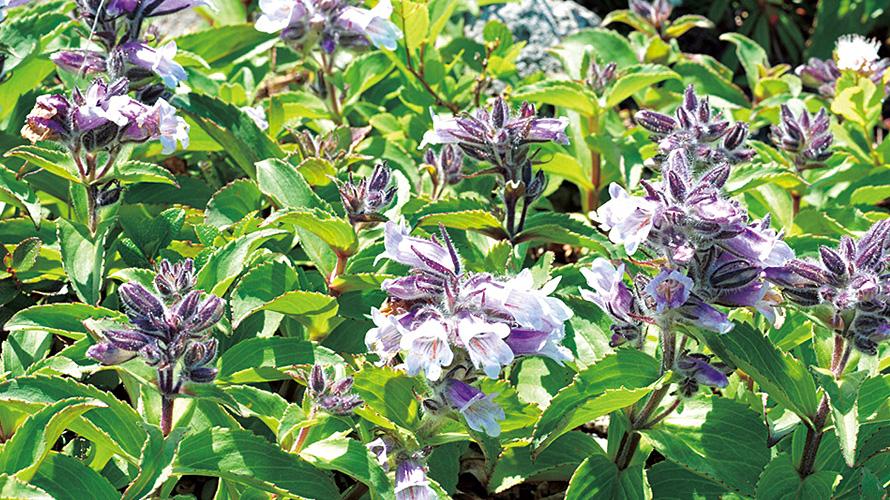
x: 705, y: 252
x: 453, y: 326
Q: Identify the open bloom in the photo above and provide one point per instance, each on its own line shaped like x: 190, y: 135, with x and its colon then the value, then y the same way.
x: 480, y: 410
x: 411, y: 481
x: 157, y: 60
x: 857, y: 53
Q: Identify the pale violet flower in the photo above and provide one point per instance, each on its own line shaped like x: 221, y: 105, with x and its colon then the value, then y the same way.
x: 628, y: 219
x: 158, y: 60
x: 857, y: 53
x: 480, y: 410
x: 258, y: 115
x: 374, y: 24
x: 485, y: 344
x: 171, y: 128
x: 609, y: 291
x: 278, y: 14
x: 411, y: 481
x: 670, y: 289
x: 428, y: 349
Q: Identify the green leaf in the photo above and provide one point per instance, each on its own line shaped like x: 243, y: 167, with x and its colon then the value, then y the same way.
x: 364, y: 72
x: 784, y: 378
x: 153, y: 235
x: 19, y: 194
x: 232, y: 203
x: 874, y: 394
x: 682, y: 24
x: 54, y: 161
x: 566, y: 94
x: 154, y: 466
x: 22, y: 349
x: 315, y: 311
x: 669, y: 481
x: 359, y: 282
x: 352, y: 458
x: 751, y: 55
x: 227, y: 262
x: 137, y: 171
x: 266, y: 406
x: 479, y: 221
x: 25, y: 254
x: 860, y: 103
x: 265, y: 359
x: 618, y: 380
x: 63, y: 319
x: 598, y: 478
x: 781, y: 481
x: 709, y: 81
x: 390, y: 393
x: 260, y: 286
x: 728, y: 448
x: 27, y: 448
x: 221, y: 46
x: 231, y: 128
x: 842, y: 394
x: 242, y: 457
x: 336, y: 232
x: 630, y: 18
x: 83, y: 258
x: 554, y: 233
x: 605, y: 44
x: 636, y: 78
x: 559, y: 460
x: 746, y: 177
x: 67, y: 478
x: 13, y: 489
x: 286, y: 186
x: 569, y: 168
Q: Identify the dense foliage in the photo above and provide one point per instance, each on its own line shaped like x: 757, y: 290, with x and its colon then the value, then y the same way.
x: 322, y: 249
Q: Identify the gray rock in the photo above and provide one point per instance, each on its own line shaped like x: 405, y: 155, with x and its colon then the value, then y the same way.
x: 539, y: 23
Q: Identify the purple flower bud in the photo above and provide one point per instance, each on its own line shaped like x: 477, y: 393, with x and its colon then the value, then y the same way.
x: 84, y: 62
x: 820, y: 74
x: 600, y: 76
x: 734, y: 274
x: 808, y: 138
x: 656, y: 123
x: 317, y: 381
x: 365, y: 199
x: 175, y: 280
x: 143, y: 308
x: 207, y: 314
x: 107, y: 353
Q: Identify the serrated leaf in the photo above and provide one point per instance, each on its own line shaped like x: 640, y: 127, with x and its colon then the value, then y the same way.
x: 750, y: 54
x: 515, y: 465
x: 566, y: 94
x: 54, y: 161
x: 232, y: 203
x: 389, y: 393
x: 227, y: 261
x: 617, y: 380
x: 19, y: 194
x: 260, y: 286
x: 14, y: 489
x: 67, y: 478
x: 232, y: 129
x: 34, y: 439
x: 25, y: 254
x: 842, y: 395
x: 315, y: 311
x: 598, y: 478
x: 605, y: 44
x: 154, y: 466
x: 116, y: 427
x: 264, y: 405
x: 150, y: 236
x: 781, y: 481
x: 83, y: 258
x: 337, y: 233
x: 222, y: 45
x: 352, y: 458
x: 62, y: 319
x: 479, y: 221
x: 709, y: 81
x: 783, y: 377
x: 728, y: 448
x: 669, y: 481
x: 137, y: 171
x: 553, y: 233
x: 287, y: 187
x: 746, y: 177
x: 242, y: 457
x: 568, y: 168
x: 637, y: 78
x: 682, y: 24
x: 265, y: 359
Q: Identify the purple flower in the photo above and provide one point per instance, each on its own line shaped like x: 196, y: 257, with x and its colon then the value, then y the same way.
x: 333, y: 397
x: 149, y: 8
x: 697, y: 369
x: 655, y: 13
x: 374, y: 24
x: 480, y: 410
x: 84, y: 62
x: 381, y: 448
x: 670, y: 289
x: 447, y: 167
x: 629, y: 219
x: 609, y: 291
x: 194, y: 363
x: 175, y: 280
x: 159, y: 61
x: 807, y: 136
x: 600, y: 76
x: 427, y: 256
x: 411, y: 481
x: 820, y: 74
x: 384, y: 340
x: 363, y: 200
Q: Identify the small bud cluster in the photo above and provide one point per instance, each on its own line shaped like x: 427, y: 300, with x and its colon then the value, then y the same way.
x: 168, y: 328
x: 446, y: 168
x: 655, y: 14
x: 600, y: 76
x: 806, y: 136
x: 366, y: 199
x: 696, y: 130
x: 503, y: 140
x: 453, y: 325
x: 853, y: 53
x: 852, y: 281
x: 329, y: 24
x: 327, y: 395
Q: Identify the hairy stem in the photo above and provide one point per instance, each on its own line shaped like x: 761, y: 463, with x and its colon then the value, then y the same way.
x: 92, y: 208
x: 166, y: 414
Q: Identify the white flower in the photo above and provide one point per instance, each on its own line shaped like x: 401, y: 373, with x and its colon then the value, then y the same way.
x: 628, y: 219
x: 856, y: 52
x: 258, y: 115
x: 171, y: 128
x: 279, y: 14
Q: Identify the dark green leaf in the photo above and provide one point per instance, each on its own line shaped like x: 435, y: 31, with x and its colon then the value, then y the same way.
x: 781, y: 481
x: 63, y: 319
x: 598, y: 478
x: 264, y: 359
x: 154, y: 465
x: 227, y: 262
x: 336, y: 232
x: 232, y: 203
x: 83, y: 257
x: 390, y: 393
x: 67, y: 478
x: 350, y: 457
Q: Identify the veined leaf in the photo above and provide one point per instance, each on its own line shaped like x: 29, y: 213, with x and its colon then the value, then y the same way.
x: 350, y: 457
x: 598, y: 478
x: 67, y: 478
x: 336, y: 232
x: 83, y: 258
x: 227, y: 262
x: 154, y: 467
x: 389, y: 393
x: 265, y: 359
x: 232, y: 203
x: 63, y: 319
x: 479, y: 221
x: 54, y: 161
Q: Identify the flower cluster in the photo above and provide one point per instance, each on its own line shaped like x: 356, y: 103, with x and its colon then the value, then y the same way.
x: 503, y: 140
x: 807, y: 137
x: 365, y: 199
x: 599, y: 76
x: 853, y: 53
x: 850, y: 281
x: 167, y: 328
x: 655, y: 14
x: 706, y: 250
x: 696, y: 131
x: 452, y: 325
x: 103, y: 118
x: 446, y: 168
x: 329, y: 23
